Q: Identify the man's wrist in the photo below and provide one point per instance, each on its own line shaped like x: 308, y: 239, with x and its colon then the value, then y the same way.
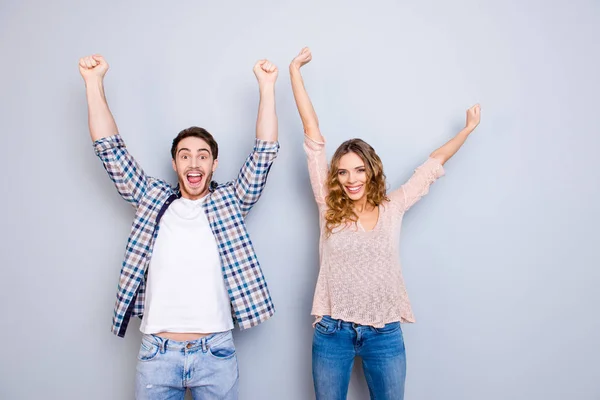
x: 93, y: 83
x: 266, y: 87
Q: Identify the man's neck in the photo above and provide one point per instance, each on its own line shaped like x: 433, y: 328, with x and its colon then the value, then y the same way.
x: 200, y: 196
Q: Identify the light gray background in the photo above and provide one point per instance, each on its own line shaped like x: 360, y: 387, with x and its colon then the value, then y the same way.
x: 500, y: 259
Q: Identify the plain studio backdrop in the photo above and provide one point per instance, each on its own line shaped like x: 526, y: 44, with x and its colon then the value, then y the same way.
x: 501, y: 259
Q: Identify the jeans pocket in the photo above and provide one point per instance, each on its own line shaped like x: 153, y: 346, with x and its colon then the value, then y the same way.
x: 389, y: 328
x: 325, y: 328
x: 148, y: 350
x: 222, y: 351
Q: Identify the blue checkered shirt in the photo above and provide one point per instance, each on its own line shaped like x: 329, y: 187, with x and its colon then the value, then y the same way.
x: 226, y: 206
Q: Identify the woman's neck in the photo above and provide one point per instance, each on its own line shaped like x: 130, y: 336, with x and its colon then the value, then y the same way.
x: 362, y: 205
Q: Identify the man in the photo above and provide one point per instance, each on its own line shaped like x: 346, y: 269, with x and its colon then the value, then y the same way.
x: 190, y: 269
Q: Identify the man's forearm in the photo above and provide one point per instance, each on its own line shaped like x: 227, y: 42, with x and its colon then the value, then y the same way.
x: 266, y: 122
x: 100, y: 120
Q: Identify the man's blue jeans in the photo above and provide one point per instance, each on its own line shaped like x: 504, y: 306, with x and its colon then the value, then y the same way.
x: 207, y: 366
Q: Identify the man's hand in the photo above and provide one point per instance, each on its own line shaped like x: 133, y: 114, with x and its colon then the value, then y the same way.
x: 302, y: 58
x: 266, y: 72
x: 93, y: 67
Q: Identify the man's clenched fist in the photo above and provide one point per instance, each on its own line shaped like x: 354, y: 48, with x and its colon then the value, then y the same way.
x: 265, y: 71
x: 93, y: 67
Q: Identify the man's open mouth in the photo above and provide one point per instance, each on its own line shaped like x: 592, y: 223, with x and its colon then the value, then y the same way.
x: 194, y: 178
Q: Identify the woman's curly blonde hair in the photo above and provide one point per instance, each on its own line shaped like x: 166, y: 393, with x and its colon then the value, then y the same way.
x: 340, y: 208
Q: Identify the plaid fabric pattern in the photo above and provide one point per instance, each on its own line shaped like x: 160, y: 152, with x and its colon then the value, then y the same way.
x: 226, y: 207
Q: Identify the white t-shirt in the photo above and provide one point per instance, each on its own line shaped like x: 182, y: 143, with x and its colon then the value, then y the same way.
x: 185, y: 290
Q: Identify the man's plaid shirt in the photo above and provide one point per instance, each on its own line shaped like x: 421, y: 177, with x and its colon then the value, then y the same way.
x: 226, y: 206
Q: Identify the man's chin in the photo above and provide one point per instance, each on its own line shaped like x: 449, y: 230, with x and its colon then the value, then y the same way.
x: 194, y: 192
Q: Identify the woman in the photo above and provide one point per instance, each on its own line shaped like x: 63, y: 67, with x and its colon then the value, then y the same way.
x: 360, y: 299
